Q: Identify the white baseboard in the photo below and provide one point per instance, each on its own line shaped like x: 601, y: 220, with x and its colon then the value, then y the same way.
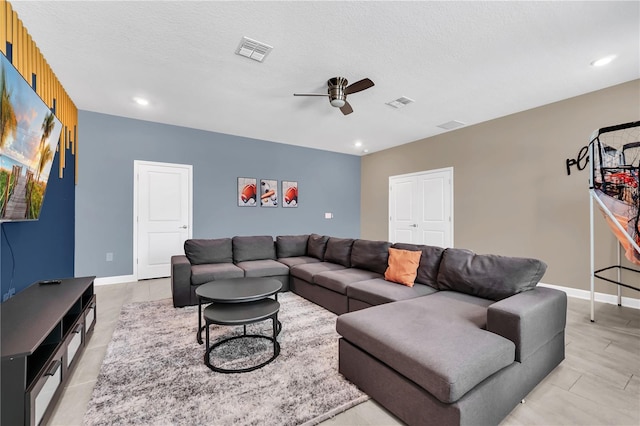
x: 612, y: 299
x: 114, y: 280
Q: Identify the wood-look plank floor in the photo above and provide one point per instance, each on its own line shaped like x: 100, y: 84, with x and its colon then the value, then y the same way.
x: 597, y: 384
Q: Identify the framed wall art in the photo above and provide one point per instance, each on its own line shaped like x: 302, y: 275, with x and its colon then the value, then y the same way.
x: 247, y: 192
x: 268, y: 193
x: 289, y: 193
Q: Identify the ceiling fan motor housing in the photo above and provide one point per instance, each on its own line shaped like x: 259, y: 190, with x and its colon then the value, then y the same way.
x: 337, y: 97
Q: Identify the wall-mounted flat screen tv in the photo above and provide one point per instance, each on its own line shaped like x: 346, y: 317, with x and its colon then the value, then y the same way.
x: 29, y: 135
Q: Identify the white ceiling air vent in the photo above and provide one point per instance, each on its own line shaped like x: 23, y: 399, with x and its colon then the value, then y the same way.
x: 253, y: 49
x: 400, y: 102
x: 454, y: 124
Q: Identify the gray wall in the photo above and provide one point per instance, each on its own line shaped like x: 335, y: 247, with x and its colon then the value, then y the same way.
x: 512, y: 195
x: 108, y: 146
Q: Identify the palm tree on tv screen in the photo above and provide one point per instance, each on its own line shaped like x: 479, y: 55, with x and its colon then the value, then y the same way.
x: 8, y: 120
x: 46, y: 155
x: 47, y: 127
x: 44, y: 150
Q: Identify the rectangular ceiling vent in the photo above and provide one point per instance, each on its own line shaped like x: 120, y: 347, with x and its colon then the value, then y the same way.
x: 253, y: 49
x: 454, y: 124
x: 400, y: 102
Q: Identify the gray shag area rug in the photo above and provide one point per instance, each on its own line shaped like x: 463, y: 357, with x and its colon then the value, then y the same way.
x: 154, y: 374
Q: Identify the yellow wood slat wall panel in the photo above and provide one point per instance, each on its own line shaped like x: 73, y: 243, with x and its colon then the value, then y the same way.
x: 75, y: 152
x: 5, y: 28
x: 39, y: 73
x: 28, y: 48
x: 49, y: 84
x: 20, y: 46
x: 29, y: 61
x: 14, y: 37
x: 9, y: 21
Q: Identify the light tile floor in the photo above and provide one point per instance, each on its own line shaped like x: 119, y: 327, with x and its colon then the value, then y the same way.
x: 597, y: 384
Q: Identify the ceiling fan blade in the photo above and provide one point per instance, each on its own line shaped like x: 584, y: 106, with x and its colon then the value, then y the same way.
x: 310, y: 94
x: 346, y: 108
x: 358, y: 86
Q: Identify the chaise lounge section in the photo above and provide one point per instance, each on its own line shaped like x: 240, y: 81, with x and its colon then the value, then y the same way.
x: 453, y: 357
x: 460, y: 341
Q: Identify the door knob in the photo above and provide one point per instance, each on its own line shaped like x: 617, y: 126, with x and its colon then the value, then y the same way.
x: 184, y: 227
x: 415, y: 225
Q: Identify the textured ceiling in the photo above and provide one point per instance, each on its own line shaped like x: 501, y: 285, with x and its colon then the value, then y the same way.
x: 465, y: 61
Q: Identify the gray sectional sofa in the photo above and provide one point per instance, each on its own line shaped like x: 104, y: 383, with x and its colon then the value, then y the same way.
x: 463, y: 345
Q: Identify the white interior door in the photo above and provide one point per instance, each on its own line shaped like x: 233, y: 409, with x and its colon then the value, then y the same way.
x: 421, y: 208
x: 402, y: 212
x: 162, y: 217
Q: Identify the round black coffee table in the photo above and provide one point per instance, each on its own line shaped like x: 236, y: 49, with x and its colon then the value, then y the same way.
x: 241, y: 314
x: 238, y: 301
x: 235, y: 290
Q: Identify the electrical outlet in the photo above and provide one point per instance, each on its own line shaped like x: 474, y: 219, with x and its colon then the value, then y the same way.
x: 109, y: 257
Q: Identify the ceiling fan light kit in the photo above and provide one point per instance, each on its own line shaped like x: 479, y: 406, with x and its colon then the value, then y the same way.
x: 338, y: 90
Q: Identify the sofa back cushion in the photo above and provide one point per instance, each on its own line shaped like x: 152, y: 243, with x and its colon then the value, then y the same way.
x: 339, y: 251
x: 203, y: 251
x: 253, y: 248
x: 488, y: 276
x: 291, y: 245
x: 429, y: 262
x: 370, y: 255
x: 317, y: 245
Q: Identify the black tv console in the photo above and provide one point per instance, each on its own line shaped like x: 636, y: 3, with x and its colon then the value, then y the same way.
x: 44, y: 331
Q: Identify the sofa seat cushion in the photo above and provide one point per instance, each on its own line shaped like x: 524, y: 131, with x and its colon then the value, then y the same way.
x: 458, y: 306
x: 308, y: 270
x: 424, y: 341
x: 339, y: 280
x: 298, y: 260
x: 201, y: 274
x: 263, y: 268
x: 378, y: 291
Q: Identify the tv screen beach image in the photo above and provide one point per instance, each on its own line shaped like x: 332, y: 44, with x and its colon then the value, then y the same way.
x: 29, y: 134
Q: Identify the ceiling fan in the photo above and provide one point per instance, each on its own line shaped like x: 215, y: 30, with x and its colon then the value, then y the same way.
x: 338, y: 91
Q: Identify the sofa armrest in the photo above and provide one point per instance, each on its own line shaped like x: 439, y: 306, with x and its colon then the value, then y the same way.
x: 529, y: 319
x: 180, y: 280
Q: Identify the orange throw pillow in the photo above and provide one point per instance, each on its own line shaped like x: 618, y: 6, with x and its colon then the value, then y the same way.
x: 403, y: 266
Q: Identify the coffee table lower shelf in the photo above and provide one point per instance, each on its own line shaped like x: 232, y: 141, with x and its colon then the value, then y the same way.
x: 234, y: 314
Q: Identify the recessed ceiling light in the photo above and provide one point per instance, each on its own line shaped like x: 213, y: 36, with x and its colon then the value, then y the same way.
x: 365, y: 150
x: 358, y: 144
x: 141, y: 101
x: 603, y: 61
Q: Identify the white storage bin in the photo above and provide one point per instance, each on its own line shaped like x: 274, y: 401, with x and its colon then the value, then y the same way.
x: 90, y: 318
x: 52, y: 379
x: 74, y: 344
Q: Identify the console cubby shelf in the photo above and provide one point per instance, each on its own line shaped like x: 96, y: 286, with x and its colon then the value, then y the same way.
x: 44, y: 329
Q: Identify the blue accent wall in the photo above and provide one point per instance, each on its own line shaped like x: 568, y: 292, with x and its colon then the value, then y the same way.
x: 43, y: 249
x: 328, y: 182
